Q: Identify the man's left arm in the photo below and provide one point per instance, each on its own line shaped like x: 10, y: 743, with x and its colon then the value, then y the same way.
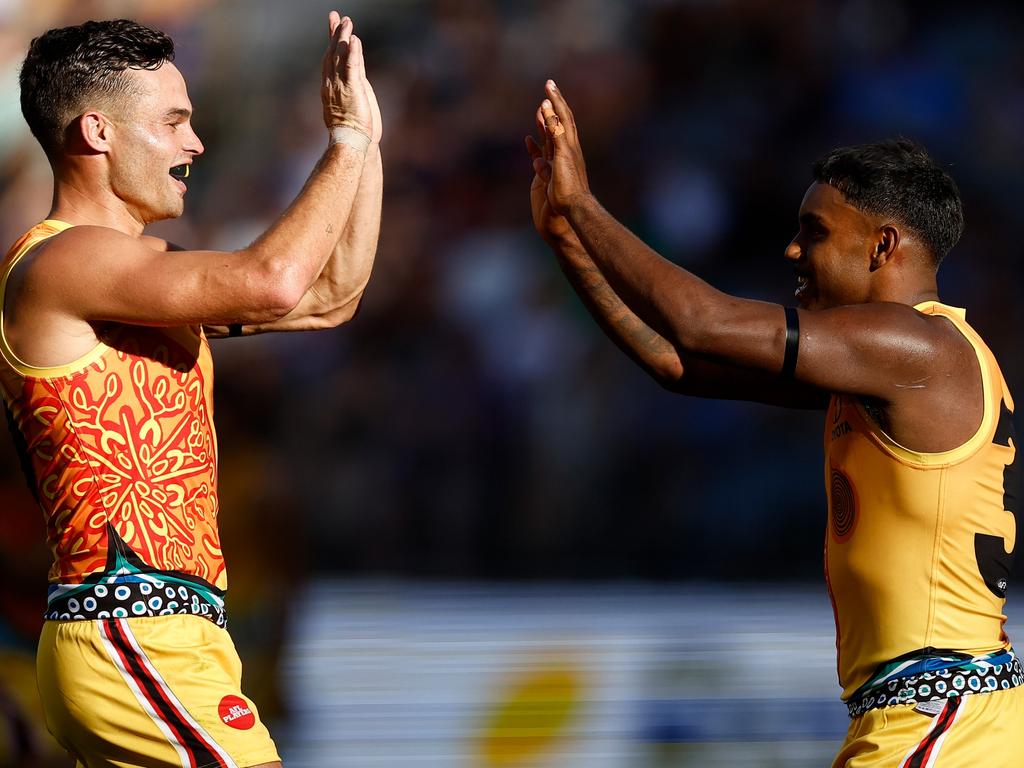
x: 335, y: 296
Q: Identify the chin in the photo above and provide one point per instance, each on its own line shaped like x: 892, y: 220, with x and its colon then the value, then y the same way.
x: 173, y: 211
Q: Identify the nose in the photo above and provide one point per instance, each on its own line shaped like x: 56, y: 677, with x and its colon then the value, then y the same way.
x: 793, y: 251
x: 192, y: 143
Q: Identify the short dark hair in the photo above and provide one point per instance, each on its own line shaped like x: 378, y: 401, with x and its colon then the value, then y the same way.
x: 897, y: 178
x: 67, y: 68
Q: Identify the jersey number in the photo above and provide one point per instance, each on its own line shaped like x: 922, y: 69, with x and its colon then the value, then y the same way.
x: 994, y: 562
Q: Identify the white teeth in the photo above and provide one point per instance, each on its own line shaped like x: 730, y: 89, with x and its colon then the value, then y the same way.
x: 801, y: 286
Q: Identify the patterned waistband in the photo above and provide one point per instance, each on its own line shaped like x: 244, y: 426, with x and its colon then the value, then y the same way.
x: 928, y: 678
x: 125, y: 597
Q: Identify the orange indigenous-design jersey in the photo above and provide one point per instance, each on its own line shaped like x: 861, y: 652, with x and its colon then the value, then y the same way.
x: 120, y: 440
x: 919, y: 545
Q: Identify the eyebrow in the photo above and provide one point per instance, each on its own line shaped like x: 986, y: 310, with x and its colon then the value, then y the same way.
x: 812, y: 218
x: 181, y: 112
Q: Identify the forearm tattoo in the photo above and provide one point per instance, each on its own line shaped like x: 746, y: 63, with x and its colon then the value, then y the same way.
x: 593, y: 288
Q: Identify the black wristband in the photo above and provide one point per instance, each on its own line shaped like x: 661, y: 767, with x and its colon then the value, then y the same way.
x: 792, y: 343
x: 235, y: 329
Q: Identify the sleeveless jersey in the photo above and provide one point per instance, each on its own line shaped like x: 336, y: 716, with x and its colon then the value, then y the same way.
x: 120, y: 451
x: 919, y: 545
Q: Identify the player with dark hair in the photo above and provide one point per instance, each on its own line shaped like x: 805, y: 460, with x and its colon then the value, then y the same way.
x: 107, y: 379
x: 920, y: 452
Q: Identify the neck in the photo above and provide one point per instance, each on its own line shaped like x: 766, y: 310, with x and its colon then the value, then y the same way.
x: 80, y: 201
x: 930, y: 295
x: 913, y: 283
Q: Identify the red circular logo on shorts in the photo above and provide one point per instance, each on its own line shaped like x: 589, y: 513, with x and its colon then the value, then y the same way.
x: 234, y: 711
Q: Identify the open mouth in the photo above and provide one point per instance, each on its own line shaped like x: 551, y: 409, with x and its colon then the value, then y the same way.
x: 180, y: 171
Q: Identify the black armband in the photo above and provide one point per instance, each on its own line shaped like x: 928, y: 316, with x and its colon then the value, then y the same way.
x: 235, y: 329
x: 792, y: 343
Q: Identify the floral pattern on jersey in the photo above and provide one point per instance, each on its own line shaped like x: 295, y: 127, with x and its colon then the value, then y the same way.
x: 128, y: 441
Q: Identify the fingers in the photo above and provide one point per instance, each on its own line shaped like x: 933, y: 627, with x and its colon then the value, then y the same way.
x: 336, y: 25
x: 346, y: 30
x: 533, y: 148
x: 542, y: 169
x: 552, y: 123
x: 354, y: 63
x: 547, y: 147
x: 540, y: 165
x: 561, y: 108
x: 339, y: 59
x: 343, y: 46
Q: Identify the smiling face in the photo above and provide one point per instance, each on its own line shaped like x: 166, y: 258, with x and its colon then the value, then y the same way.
x: 832, y: 251
x: 153, y: 134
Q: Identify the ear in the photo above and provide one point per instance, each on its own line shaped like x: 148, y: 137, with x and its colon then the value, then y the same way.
x: 94, y: 130
x: 885, y: 246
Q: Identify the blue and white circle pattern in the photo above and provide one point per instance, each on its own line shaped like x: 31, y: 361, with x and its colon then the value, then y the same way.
x: 134, y: 598
x: 938, y: 685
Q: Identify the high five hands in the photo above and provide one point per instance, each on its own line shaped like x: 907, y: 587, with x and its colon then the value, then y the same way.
x: 347, y: 96
x: 560, y: 173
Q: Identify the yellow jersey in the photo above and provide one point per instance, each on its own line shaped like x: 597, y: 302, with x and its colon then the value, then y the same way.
x: 919, y: 545
x: 120, y: 451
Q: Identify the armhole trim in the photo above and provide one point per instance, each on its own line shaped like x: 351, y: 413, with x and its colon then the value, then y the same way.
x: 34, y: 237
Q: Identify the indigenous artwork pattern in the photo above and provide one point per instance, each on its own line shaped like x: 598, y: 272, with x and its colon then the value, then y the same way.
x: 127, y: 440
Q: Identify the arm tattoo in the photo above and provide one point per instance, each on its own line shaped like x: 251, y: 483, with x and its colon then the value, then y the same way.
x: 617, y: 315
x: 634, y: 328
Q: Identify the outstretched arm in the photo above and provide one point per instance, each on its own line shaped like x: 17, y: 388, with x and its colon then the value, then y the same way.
x: 673, y: 369
x: 337, y: 293
x: 646, y: 348
x: 877, y: 350
x: 108, y: 275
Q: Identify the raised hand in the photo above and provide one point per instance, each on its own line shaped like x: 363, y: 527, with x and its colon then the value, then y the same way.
x: 344, y: 88
x: 562, y: 151
x: 549, y: 225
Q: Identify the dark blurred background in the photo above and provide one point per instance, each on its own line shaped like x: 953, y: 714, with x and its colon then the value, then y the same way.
x: 472, y: 423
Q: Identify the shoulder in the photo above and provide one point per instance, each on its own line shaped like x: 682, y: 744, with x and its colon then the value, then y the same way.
x: 82, y: 248
x: 948, y: 331
x: 82, y: 240
x: 890, y: 326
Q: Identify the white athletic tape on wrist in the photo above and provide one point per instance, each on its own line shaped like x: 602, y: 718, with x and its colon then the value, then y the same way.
x: 352, y: 137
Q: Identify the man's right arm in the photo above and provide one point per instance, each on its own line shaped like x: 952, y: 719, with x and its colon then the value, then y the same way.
x: 675, y: 371
x: 107, y: 275
x: 335, y: 296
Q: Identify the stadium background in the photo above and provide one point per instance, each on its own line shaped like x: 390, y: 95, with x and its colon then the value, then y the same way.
x: 469, y: 480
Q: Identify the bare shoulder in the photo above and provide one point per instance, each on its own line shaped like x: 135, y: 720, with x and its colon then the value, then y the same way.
x: 882, y: 350
x: 83, y: 255
x: 79, y: 248
x: 952, y: 346
x: 900, y: 327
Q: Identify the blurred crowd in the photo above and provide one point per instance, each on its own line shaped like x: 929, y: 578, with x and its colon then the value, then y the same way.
x: 472, y: 422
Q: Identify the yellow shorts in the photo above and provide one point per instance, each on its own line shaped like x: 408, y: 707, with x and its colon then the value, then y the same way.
x: 162, y: 691
x: 983, y: 729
